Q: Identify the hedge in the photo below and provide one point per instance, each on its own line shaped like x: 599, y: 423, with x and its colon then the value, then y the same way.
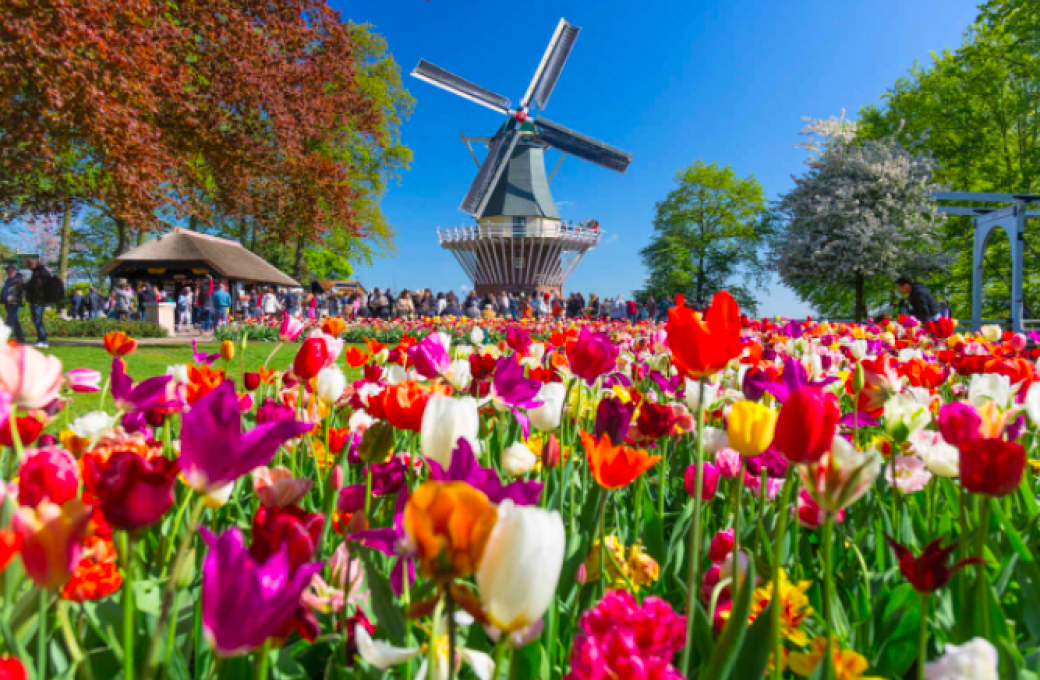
x: 57, y: 327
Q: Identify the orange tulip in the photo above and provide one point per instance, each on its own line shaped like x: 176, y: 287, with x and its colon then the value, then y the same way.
x: 373, y: 346
x: 402, y: 405
x: 334, y: 326
x: 450, y: 523
x: 203, y: 380
x: 267, y: 375
x: 355, y: 357
x: 704, y: 345
x: 118, y: 343
x: 615, y: 467
x: 97, y: 575
x: 10, y: 544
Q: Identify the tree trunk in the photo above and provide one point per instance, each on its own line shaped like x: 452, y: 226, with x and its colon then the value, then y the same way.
x: 298, y: 264
x: 243, y: 233
x: 66, y: 241
x: 252, y: 246
x: 861, y: 307
x: 122, y: 245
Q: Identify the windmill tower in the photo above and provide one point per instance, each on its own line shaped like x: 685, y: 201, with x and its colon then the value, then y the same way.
x: 519, y: 243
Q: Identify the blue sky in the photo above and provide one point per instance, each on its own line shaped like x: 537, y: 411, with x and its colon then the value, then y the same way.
x: 668, y: 81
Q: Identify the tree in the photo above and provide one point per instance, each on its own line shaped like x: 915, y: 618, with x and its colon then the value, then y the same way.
x: 857, y: 219
x: 217, y: 109
x: 708, y: 233
x: 975, y: 111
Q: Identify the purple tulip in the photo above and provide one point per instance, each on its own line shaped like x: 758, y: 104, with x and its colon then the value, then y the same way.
x: 770, y: 460
x: 613, y: 418
x: 430, y: 355
x: 592, y: 355
x: 214, y: 451
x: 392, y: 541
x: 271, y: 410
x: 245, y: 603
x: 511, y: 387
x: 710, y: 484
x: 518, y: 339
x: 202, y: 358
x: 135, y: 400
x: 464, y: 468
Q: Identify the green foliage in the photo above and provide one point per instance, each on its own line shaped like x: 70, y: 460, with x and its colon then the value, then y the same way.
x: 974, y: 110
x: 57, y: 327
x: 708, y: 233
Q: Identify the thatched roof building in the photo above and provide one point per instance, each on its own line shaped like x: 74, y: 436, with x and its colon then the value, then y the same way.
x: 184, y: 253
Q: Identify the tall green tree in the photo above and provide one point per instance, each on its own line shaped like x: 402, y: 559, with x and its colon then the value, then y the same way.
x: 708, y: 235
x: 976, y: 111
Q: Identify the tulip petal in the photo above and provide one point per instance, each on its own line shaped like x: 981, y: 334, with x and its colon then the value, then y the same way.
x: 380, y: 654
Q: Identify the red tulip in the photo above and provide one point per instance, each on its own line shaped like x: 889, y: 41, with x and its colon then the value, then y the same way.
x: 134, y: 492
x: 592, y: 355
x: 929, y: 572
x: 296, y: 529
x: 11, y: 668
x: 29, y: 429
x: 992, y: 467
x: 704, y: 345
x: 311, y: 358
x: 49, y: 474
x: 338, y: 438
x: 251, y: 380
x: 655, y: 420
x: 806, y: 425
x: 721, y: 546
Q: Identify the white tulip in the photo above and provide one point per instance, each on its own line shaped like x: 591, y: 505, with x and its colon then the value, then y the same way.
x: 517, y: 459
x: 445, y: 421
x: 367, y: 391
x: 990, y: 387
x: 459, y: 374
x: 715, y: 439
x: 908, y: 353
x: 476, y: 336
x: 858, y: 349
x: 359, y: 421
x: 904, y: 415
x: 991, y: 333
x: 382, y: 656
x: 91, y: 425
x: 521, y: 565
x: 546, y: 417
x: 1033, y: 403
x: 179, y: 373
x: 329, y: 384
x: 379, y: 654
x: 693, y: 395
x: 395, y: 374
x: 974, y: 660
x: 940, y: 458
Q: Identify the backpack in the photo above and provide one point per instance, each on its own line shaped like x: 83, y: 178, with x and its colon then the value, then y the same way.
x: 53, y: 289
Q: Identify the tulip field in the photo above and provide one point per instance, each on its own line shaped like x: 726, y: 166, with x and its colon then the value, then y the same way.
x: 712, y: 497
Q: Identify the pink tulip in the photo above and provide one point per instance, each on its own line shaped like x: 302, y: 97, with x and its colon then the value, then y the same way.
x: 276, y: 488
x: 83, y: 380
x: 729, y: 463
x: 810, y: 514
x: 290, y: 329
x: 32, y: 379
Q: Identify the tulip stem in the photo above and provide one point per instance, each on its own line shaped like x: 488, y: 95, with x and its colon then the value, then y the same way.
x: 263, y: 664
x: 922, y: 639
x: 16, y: 439
x: 778, y: 550
x: 828, y: 614
x: 694, y: 549
x: 450, y: 601
x: 41, y: 636
x: 501, y: 649
x: 128, y: 605
x: 982, y: 583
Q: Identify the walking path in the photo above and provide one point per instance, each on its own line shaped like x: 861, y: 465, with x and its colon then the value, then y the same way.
x: 179, y: 339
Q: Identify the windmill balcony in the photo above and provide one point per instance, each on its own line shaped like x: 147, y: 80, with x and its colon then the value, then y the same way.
x: 552, y: 229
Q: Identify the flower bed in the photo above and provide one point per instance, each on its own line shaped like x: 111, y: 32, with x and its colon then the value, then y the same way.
x: 715, y: 497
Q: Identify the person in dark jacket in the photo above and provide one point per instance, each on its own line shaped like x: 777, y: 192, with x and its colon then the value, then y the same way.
x: 95, y: 303
x: 923, y: 306
x: 78, y: 305
x: 13, y: 294
x: 34, y: 293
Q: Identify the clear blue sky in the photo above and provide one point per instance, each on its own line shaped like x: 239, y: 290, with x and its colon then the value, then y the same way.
x: 668, y: 81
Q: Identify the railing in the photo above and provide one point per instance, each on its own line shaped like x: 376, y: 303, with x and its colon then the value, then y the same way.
x: 516, y: 230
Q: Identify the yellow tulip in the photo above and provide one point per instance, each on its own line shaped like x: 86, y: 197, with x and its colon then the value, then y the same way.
x: 751, y: 427
x: 227, y: 350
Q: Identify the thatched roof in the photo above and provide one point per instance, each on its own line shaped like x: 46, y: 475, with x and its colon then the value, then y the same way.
x: 182, y: 251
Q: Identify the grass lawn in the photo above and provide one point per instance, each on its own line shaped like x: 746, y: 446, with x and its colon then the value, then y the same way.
x: 152, y: 360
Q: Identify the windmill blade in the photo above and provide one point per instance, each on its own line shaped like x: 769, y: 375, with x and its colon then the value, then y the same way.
x: 582, y: 146
x: 490, y: 172
x: 551, y: 65
x: 435, y: 75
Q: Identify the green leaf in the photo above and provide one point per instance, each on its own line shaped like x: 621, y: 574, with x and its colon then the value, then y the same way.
x: 755, y: 652
x: 1021, y: 549
x: 383, y: 605
x: 724, y: 657
x: 1028, y: 576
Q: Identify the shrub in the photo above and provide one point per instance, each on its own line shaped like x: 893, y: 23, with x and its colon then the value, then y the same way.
x: 57, y: 327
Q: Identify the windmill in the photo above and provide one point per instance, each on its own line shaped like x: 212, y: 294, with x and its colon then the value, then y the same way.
x: 519, y: 243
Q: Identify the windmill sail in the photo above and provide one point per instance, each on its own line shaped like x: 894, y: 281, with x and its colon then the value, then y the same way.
x: 490, y: 171
x: 551, y: 65
x: 579, y: 145
x: 446, y: 80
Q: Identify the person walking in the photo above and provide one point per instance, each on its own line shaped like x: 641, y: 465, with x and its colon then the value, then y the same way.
x: 183, y: 309
x: 76, y: 310
x: 651, y: 308
x: 36, y: 294
x: 122, y: 301
x: 923, y: 306
x: 221, y: 305
x: 205, y: 303
x: 13, y: 294
x: 95, y: 303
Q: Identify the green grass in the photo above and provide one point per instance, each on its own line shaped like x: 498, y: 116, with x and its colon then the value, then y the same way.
x: 152, y: 360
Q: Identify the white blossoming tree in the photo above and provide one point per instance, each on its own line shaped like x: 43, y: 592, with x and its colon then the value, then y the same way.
x: 856, y: 220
